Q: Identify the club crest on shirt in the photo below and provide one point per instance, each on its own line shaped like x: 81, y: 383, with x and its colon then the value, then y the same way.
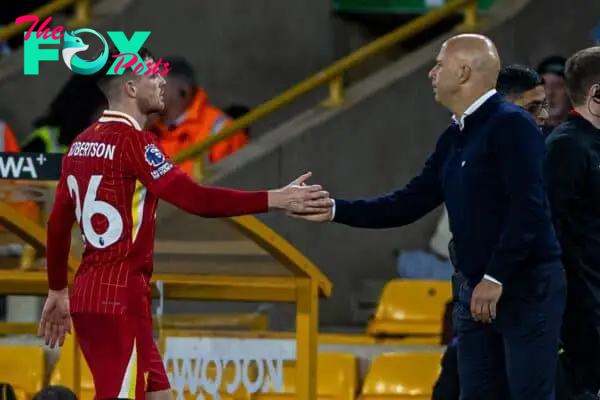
x: 154, y: 157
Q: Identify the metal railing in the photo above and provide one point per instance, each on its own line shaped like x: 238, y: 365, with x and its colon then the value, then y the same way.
x: 332, y: 76
x: 81, y: 17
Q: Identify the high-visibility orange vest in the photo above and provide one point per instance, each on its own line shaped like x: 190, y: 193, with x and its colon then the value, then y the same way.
x: 198, y: 122
x: 9, y: 144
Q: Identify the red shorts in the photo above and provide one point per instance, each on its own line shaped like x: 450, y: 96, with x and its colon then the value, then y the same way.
x: 122, y: 355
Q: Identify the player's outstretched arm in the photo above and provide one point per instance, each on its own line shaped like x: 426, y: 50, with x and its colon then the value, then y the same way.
x: 55, y: 320
x: 212, y: 201
x: 161, y: 177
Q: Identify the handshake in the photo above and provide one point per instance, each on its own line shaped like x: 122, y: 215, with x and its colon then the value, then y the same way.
x: 299, y: 200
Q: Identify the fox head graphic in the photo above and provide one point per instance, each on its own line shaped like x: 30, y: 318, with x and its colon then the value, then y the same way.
x: 73, y: 45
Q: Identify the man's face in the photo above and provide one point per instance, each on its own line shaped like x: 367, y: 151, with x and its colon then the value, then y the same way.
x: 558, y: 98
x: 150, y: 91
x: 534, y: 102
x: 174, y: 99
x: 444, y: 77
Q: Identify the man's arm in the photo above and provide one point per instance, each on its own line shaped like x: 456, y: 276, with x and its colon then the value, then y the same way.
x: 565, y: 165
x: 519, y: 150
x: 402, y: 207
x: 147, y: 162
x: 58, y: 241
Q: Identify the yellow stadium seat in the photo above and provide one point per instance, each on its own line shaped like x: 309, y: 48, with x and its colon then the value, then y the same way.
x: 337, y: 379
x: 411, y: 307
x: 406, y: 375
x: 23, y: 368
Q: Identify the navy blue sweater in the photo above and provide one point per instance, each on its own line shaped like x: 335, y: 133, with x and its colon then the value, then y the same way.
x: 490, y: 175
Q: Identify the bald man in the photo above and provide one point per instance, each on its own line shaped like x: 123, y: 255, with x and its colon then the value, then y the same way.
x: 487, y: 168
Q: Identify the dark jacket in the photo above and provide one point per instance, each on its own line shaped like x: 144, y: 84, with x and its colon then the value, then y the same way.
x: 573, y: 163
x: 490, y: 175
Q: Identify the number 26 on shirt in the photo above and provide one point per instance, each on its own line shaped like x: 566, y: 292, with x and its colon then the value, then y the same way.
x: 84, y: 211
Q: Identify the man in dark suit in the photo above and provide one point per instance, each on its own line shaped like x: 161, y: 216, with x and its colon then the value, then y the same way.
x: 488, y: 168
x: 524, y: 87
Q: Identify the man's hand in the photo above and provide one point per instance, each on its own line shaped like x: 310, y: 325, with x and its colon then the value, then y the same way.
x: 324, y: 216
x: 484, y: 300
x: 56, y: 319
x: 297, y: 197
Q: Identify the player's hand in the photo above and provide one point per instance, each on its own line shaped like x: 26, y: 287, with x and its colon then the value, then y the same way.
x: 56, y: 319
x: 298, y: 197
x: 485, y: 300
x: 324, y: 216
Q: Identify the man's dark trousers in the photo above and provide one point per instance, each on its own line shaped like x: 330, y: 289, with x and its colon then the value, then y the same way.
x: 581, y: 339
x: 515, y: 356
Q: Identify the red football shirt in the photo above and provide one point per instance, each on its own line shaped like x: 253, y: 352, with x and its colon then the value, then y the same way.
x: 112, y: 177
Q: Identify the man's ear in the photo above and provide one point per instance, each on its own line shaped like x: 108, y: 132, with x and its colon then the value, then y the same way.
x: 595, y: 93
x: 131, y: 88
x: 464, y: 74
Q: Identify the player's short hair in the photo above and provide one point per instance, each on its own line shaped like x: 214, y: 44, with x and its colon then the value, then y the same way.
x: 582, y: 72
x: 180, y: 68
x: 108, y: 83
x: 552, y: 65
x: 516, y: 79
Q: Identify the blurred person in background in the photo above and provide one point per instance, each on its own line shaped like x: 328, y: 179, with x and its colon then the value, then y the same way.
x: 237, y: 111
x: 9, y: 144
x: 8, y: 141
x: 524, y: 87
x: 188, y: 117
x: 573, y: 165
x: 552, y: 71
x: 74, y: 108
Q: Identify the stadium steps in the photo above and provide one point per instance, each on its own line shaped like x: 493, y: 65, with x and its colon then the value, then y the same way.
x: 192, y: 245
